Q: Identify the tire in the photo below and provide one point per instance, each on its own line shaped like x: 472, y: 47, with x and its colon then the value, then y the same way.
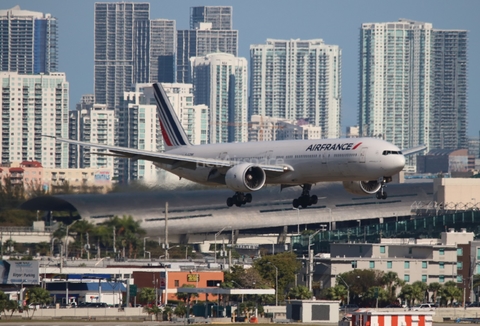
x: 229, y: 201
x: 296, y: 203
x: 314, y: 199
x: 248, y: 198
x: 379, y: 195
x: 384, y: 196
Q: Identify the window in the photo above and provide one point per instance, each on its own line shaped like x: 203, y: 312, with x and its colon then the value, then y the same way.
x: 424, y: 264
x: 478, y: 253
x: 406, y: 278
x: 441, y: 252
x: 459, y: 278
x: 382, y: 249
x: 410, y: 250
x: 354, y: 264
x: 459, y: 265
x: 372, y: 264
x: 441, y: 265
x: 177, y: 283
x: 389, y: 264
x: 406, y: 265
x: 424, y: 278
x: 441, y: 279
x: 459, y: 251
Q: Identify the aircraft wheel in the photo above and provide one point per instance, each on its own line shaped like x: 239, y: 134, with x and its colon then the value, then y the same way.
x: 314, y: 199
x: 296, y: 203
x: 229, y: 201
x: 384, y: 195
x: 248, y: 198
x: 238, y: 204
x: 379, y: 195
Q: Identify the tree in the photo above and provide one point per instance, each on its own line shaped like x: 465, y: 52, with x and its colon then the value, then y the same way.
x: 180, y: 310
x: 418, y: 291
x: 167, y: 313
x: 338, y: 292
x: 392, y: 283
x: 450, y: 292
x: 299, y: 292
x: 434, y: 287
x: 153, y: 310
x: 38, y: 296
x: 147, y: 295
x: 406, y: 294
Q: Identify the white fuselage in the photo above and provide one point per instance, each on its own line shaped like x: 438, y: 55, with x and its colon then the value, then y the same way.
x: 313, y: 161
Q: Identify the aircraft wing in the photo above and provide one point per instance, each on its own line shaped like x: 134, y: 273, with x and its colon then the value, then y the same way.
x: 413, y: 150
x: 189, y: 162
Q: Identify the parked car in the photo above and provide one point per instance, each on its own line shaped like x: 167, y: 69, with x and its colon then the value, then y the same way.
x: 424, y: 307
x: 473, y: 305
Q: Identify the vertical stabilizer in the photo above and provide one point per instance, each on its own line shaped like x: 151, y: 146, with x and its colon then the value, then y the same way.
x: 172, y: 131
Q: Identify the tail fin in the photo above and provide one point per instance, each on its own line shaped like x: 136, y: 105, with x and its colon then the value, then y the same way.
x: 172, y: 131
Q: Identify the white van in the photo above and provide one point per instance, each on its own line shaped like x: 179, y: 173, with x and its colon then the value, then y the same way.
x: 423, y: 307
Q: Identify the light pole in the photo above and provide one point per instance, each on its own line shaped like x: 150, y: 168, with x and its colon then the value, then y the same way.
x: 298, y: 219
x: 276, y: 283
x: 273, y: 246
x: 66, y: 239
x: 348, y: 292
x: 310, y: 260
x: 144, y: 244
x: 216, y: 235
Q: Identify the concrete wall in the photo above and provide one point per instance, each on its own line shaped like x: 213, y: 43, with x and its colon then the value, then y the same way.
x: 456, y: 190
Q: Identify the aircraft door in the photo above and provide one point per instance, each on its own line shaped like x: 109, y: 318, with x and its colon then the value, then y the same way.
x: 363, y: 155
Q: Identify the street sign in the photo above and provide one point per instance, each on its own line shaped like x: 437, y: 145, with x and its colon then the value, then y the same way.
x: 133, y: 290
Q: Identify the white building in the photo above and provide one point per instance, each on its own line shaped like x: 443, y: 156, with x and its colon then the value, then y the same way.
x: 32, y: 106
x: 96, y: 124
x: 268, y: 129
x: 297, y: 79
x: 141, y: 127
x: 220, y: 82
x: 424, y: 260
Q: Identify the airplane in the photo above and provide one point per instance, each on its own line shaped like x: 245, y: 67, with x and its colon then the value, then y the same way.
x: 364, y: 165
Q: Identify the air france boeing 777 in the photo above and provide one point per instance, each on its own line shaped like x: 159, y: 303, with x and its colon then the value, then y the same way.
x: 364, y: 165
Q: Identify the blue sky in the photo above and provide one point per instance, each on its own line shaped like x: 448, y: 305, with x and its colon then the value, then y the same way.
x: 335, y: 21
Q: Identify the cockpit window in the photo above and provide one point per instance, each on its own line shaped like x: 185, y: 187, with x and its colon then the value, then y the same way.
x: 392, y: 153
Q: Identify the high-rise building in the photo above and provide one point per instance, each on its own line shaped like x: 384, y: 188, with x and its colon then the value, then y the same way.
x: 220, y: 17
x: 141, y: 128
x: 210, y: 32
x: 33, y: 106
x: 93, y: 123
x: 28, y: 41
x: 220, y: 82
x: 448, y: 127
x: 413, y: 85
x: 122, y: 49
x: 163, y: 44
x: 270, y: 129
x: 297, y: 79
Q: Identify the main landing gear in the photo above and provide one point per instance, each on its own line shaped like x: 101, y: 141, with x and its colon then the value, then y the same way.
x: 239, y: 199
x: 305, y: 199
x: 382, y: 194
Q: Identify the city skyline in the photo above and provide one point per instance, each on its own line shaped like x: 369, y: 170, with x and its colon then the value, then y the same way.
x: 334, y: 22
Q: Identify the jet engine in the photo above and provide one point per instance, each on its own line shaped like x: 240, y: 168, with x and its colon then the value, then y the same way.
x: 362, y: 187
x: 245, y: 177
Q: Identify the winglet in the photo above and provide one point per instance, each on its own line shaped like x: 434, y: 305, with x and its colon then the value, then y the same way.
x: 172, y: 131
x: 414, y: 150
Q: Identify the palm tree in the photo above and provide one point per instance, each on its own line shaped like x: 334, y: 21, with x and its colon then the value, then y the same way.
x: 167, y: 313
x: 147, y: 295
x: 434, y: 287
x: 338, y: 292
x: 153, y: 310
x: 406, y: 294
x: 392, y: 283
x: 299, y: 292
x: 38, y: 295
x: 418, y: 291
x: 451, y: 292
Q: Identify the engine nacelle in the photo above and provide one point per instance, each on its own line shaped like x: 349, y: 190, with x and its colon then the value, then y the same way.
x: 245, y: 177
x: 362, y: 187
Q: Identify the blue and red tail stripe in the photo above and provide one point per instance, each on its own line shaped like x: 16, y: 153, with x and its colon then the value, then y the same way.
x: 172, y: 130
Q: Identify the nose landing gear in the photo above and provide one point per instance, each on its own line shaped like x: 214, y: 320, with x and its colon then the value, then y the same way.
x: 305, y: 199
x: 239, y: 199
